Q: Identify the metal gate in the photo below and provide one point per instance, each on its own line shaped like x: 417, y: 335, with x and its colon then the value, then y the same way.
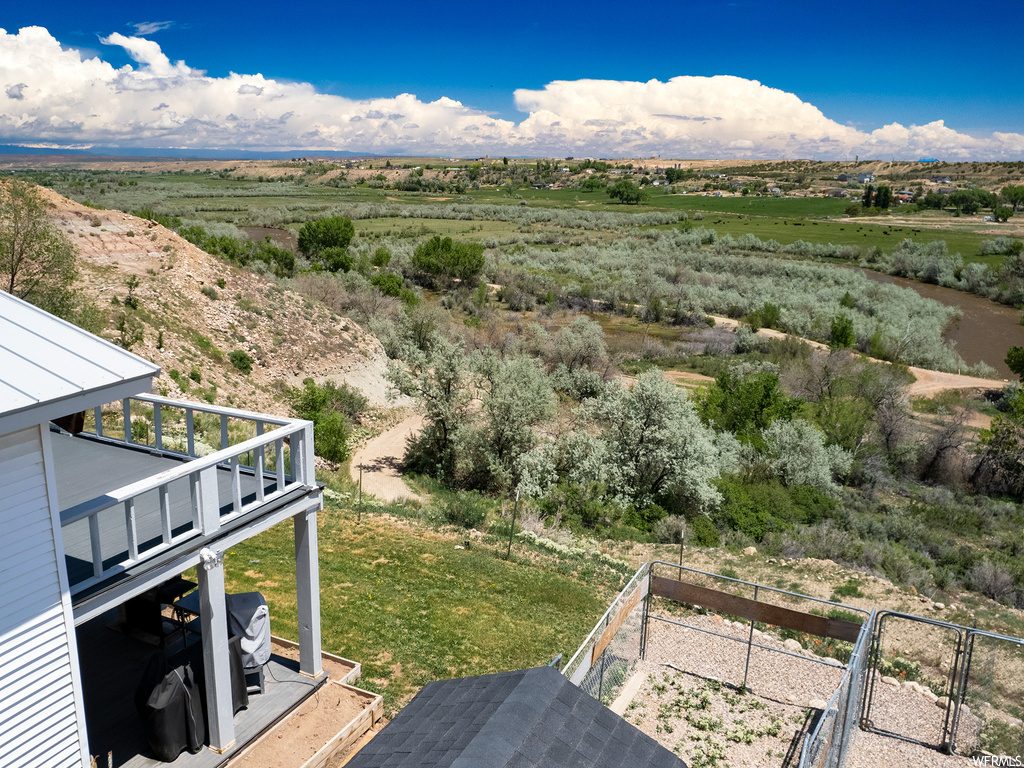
x: 899, y: 643
x: 991, y: 694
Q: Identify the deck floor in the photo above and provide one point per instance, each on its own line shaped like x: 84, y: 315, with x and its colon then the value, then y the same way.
x: 87, y: 469
x: 112, y: 665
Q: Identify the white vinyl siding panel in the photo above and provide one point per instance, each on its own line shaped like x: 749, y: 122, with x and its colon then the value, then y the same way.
x: 39, y: 718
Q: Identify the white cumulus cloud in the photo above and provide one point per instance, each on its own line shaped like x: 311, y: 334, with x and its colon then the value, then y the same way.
x: 57, y: 95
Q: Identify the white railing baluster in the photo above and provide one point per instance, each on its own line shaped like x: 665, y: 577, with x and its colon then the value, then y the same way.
x: 258, y: 455
x: 190, y: 432
x: 236, y: 485
x: 165, y: 513
x: 158, y: 427
x: 94, y: 543
x: 133, y: 532
x: 193, y: 487
x: 279, y: 463
x: 126, y: 406
x: 97, y: 416
x: 223, y: 432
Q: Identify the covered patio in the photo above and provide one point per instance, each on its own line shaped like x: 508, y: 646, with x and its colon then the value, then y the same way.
x: 149, y: 493
x: 112, y: 665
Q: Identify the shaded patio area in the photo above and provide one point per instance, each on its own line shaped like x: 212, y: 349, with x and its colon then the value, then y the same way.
x: 112, y: 664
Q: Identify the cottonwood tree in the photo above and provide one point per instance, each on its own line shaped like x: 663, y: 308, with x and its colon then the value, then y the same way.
x: 746, y: 405
x: 326, y: 241
x: 1014, y: 194
x: 37, y: 260
x: 625, y: 191
x: 444, y: 257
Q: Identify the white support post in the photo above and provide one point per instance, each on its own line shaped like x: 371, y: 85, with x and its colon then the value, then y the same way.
x: 305, y: 472
x: 259, y: 461
x: 132, y: 529
x: 279, y: 464
x: 96, y: 545
x: 190, y: 432
x: 158, y: 427
x: 216, y: 664
x: 126, y: 405
x: 307, y: 593
x: 209, y: 501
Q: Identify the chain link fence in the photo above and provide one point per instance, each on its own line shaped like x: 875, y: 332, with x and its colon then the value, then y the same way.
x: 832, y: 737
x: 607, y: 657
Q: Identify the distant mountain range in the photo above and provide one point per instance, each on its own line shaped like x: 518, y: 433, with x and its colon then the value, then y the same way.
x: 203, y: 154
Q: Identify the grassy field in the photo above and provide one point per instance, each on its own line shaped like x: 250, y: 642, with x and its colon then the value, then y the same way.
x: 412, y: 608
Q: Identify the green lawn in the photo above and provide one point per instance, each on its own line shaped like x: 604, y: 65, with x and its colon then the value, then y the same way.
x: 412, y: 608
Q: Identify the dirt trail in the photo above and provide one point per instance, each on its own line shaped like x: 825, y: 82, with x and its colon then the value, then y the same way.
x: 381, y: 460
x: 928, y: 383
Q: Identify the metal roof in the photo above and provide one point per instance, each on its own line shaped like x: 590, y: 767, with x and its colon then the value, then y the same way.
x: 50, y: 368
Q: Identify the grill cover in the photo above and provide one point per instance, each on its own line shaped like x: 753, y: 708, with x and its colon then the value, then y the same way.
x: 169, y: 701
x: 249, y: 619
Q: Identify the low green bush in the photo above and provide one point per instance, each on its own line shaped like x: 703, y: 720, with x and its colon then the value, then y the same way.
x: 242, y: 360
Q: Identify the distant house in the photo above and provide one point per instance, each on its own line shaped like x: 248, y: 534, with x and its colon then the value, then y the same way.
x: 905, y: 196
x: 865, y: 178
x: 946, y: 190
x: 843, y: 177
x: 838, y: 193
x: 774, y: 191
x: 940, y: 180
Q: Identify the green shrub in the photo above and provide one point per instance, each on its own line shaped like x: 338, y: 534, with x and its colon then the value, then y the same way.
x: 703, y: 532
x: 465, y: 509
x: 330, y: 436
x: 209, y: 292
x: 241, y: 360
x: 849, y: 589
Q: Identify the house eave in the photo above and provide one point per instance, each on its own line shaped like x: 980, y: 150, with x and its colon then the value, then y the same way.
x: 40, y: 413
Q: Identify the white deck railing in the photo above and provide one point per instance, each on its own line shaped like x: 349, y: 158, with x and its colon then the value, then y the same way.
x: 288, y: 441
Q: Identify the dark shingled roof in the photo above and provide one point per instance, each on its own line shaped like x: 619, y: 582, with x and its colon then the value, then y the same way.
x: 524, y: 719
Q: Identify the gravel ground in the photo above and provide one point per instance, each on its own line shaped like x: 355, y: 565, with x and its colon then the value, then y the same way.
x: 684, y: 707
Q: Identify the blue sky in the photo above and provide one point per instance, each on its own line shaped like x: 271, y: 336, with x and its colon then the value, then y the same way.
x: 864, y: 68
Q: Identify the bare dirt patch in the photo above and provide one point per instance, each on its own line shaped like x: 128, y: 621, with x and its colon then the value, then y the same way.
x: 312, y: 725
x: 381, y: 462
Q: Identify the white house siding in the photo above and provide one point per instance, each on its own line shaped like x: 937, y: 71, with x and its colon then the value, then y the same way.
x: 41, y: 722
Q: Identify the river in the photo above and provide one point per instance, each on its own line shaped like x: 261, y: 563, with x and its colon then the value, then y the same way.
x: 985, y: 330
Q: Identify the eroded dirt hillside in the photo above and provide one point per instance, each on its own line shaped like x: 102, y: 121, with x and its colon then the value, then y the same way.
x: 191, y: 333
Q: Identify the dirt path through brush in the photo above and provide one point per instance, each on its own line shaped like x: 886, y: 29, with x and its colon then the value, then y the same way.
x: 928, y: 383
x: 381, y: 460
